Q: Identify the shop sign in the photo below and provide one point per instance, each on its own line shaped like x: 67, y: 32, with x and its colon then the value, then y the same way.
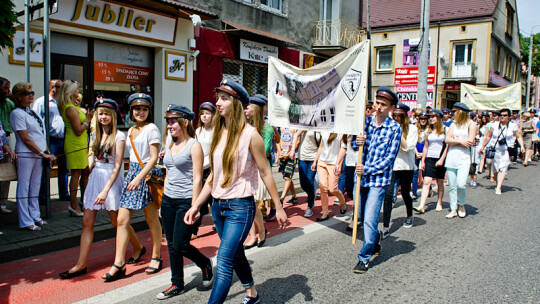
x: 409, y: 95
x: 409, y: 75
x: 497, y: 80
x: 116, y: 18
x: 452, y: 87
x: 17, y: 52
x: 411, y: 89
x: 258, y: 52
x: 175, y: 66
x: 121, y: 53
x: 451, y: 95
x: 122, y: 73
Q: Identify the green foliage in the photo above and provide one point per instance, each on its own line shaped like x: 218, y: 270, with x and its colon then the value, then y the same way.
x: 525, y: 43
x: 8, y: 22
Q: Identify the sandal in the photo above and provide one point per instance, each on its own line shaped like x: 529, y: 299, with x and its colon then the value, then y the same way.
x: 121, y: 273
x: 31, y: 228
x: 152, y: 270
x: 132, y: 260
x: 420, y: 210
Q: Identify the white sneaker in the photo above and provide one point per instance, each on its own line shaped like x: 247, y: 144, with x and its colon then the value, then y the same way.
x: 308, y: 213
x: 336, y: 202
x: 5, y: 210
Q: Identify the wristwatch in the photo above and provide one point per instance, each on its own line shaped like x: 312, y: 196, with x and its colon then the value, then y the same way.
x: 41, y: 153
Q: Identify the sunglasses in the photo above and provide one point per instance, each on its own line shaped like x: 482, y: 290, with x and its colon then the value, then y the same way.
x: 369, y: 108
x: 26, y: 93
x: 504, y: 115
x: 423, y: 118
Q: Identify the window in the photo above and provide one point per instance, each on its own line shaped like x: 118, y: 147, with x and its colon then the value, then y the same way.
x: 253, y: 76
x: 507, y: 65
x: 385, y: 57
x: 509, y: 19
x: 273, y: 4
x: 517, y: 72
x: 497, y: 59
x: 323, y: 115
x: 332, y: 114
x: 463, y: 29
x: 463, y: 53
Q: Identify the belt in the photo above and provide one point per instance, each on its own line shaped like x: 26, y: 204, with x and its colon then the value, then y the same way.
x: 55, y: 138
x: 232, y: 199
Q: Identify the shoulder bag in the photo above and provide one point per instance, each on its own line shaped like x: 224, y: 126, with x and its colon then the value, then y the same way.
x: 490, y: 150
x: 155, y: 183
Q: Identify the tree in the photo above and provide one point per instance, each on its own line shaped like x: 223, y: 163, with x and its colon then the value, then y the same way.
x: 8, y: 21
x: 525, y: 42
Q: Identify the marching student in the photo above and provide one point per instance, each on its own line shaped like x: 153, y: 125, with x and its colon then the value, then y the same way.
x: 237, y: 152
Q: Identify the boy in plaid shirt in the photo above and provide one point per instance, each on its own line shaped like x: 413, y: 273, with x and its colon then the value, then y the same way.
x: 381, y: 140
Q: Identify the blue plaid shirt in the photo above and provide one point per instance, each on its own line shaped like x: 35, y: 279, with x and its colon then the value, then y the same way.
x: 380, y: 150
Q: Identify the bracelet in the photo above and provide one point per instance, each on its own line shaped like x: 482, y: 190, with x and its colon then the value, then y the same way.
x: 85, y: 123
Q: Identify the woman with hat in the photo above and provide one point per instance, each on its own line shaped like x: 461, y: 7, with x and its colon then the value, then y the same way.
x: 403, y: 169
x: 143, y: 147
x: 421, y: 126
x: 433, y: 157
x: 236, y: 153
x: 31, y: 147
x: 502, y: 135
x: 203, y: 134
x: 106, y: 161
x: 460, y: 138
x: 184, y: 163
x: 254, y: 116
x: 76, y: 141
x: 527, y: 128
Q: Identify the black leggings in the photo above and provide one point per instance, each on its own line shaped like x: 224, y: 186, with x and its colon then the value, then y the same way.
x: 405, y: 180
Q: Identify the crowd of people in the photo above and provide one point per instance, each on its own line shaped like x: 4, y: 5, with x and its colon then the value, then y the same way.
x: 224, y: 167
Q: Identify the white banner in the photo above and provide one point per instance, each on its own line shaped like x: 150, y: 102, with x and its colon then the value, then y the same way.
x: 477, y: 98
x: 330, y: 96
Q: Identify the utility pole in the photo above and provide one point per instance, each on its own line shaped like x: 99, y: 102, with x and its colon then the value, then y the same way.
x: 529, y: 71
x: 424, y: 57
x: 46, y: 77
x: 368, y: 27
x: 27, y: 40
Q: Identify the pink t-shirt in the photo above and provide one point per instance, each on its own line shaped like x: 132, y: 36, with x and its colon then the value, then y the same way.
x: 245, y: 174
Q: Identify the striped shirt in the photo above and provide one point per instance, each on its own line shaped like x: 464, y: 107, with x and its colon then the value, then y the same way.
x: 380, y: 150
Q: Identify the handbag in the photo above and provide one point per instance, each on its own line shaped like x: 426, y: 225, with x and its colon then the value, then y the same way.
x: 155, y: 183
x: 490, y: 151
x: 535, y: 138
x: 8, y: 172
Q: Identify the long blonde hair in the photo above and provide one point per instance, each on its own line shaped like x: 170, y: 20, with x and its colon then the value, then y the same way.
x: 439, y: 127
x: 189, y: 130
x: 404, y: 123
x: 97, y: 148
x: 258, y: 120
x: 461, y: 117
x: 66, y: 93
x: 237, y: 122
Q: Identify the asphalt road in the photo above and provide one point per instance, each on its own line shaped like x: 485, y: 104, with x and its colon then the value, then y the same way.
x: 491, y: 256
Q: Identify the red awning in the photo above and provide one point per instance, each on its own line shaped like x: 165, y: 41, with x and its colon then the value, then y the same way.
x: 230, y: 26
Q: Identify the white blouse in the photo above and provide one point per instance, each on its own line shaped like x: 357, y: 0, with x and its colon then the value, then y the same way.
x: 149, y: 135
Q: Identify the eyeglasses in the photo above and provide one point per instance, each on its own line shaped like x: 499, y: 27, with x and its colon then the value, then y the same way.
x: 369, y: 108
x: 423, y: 118
x: 504, y: 115
x: 26, y: 93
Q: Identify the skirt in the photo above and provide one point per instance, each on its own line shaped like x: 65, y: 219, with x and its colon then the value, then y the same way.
x: 433, y: 171
x: 140, y: 197
x: 96, y: 182
x: 262, y: 192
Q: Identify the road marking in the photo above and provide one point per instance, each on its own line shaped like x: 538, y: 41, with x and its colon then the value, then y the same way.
x: 164, y: 280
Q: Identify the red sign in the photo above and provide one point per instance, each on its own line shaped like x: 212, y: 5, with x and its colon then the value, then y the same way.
x: 122, y: 73
x: 452, y: 87
x: 409, y: 75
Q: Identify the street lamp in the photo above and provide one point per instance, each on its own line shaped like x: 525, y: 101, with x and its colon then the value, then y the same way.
x: 530, y: 66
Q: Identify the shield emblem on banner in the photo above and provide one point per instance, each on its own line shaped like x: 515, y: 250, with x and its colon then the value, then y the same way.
x: 350, y: 83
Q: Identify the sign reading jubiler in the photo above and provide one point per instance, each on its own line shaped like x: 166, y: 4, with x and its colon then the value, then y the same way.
x: 116, y: 18
x: 477, y: 98
x: 330, y: 96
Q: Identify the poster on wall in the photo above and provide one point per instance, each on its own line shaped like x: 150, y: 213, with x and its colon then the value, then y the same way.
x: 122, y: 73
x: 17, y: 52
x: 409, y: 95
x: 411, y: 52
x: 409, y: 75
x: 329, y: 96
x: 175, y: 66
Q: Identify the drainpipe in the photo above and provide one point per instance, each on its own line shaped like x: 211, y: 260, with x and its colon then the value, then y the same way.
x: 437, y: 68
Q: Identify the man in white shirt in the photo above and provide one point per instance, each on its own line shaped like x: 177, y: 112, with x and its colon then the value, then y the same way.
x: 56, y: 136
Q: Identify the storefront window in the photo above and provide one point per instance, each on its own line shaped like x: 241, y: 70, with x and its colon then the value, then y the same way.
x: 254, y: 77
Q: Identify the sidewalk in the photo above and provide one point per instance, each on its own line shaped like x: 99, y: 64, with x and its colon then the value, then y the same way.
x: 63, y: 231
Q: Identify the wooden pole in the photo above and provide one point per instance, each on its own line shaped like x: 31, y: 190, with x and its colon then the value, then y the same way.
x: 356, y: 201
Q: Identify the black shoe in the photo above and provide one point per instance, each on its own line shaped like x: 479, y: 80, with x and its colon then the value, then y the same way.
x: 272, y: 215
x: 321, y: 219
x: 170, y: 292
x: 361, y: 267
x: 131, y: 260
x: 250, y: 300
x: 261, y: 243
x: 152, y: 270
x: 207, y: 276
x: 378, y: 247
x: 121, y: 273
x: 68, y: 275
x: 293, y: 200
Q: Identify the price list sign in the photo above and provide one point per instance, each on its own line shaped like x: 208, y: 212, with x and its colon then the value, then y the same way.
x: 122, y: 73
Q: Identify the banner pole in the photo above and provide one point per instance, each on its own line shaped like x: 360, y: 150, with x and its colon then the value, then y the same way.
x: 356, y: 201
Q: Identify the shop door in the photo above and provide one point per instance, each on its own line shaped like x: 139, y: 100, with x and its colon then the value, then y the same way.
x: 71, y: 68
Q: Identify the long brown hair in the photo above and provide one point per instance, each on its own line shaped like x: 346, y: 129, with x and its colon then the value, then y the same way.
x: 97, y: 148
x: 331, y: 138
x: 419, y: 126
x: 404, y: 123
x: 439, y: 127
x: 189, y: 130
x: 258, y: 119
x: 199, y: 122
x: 237, y: 122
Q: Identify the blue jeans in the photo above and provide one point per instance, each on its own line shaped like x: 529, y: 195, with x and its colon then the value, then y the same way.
x: 178, y: 236
x: 457, y: 186
x: 415, y: 177
x: 56, y: 147
x: 307, y: 180
x: 371, y: 201
x: 233, y: 219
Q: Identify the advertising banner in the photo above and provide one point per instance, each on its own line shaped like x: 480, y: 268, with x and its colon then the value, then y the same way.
x: 409, y: 95
x: 122, y: 73
x: 329, y: 96
x: 491, y: 98
x: 409, y: 75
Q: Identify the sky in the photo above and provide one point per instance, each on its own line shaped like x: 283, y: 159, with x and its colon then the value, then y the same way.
x: 528, y: 15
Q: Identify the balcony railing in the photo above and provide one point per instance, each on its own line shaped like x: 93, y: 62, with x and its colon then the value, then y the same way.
x: 337, y: 32
x: 461, y: 71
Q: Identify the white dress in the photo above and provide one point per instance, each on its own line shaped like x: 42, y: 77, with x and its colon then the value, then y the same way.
x: 502, y: 158
x: 99, y: 177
